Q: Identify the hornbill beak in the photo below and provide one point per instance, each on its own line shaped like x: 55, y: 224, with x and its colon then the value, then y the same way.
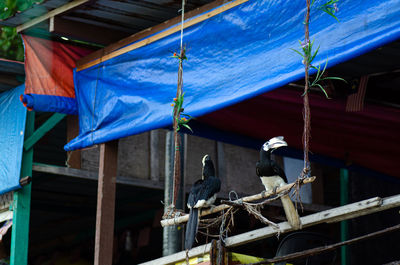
x: 205, y: 158
x: 274, y: 143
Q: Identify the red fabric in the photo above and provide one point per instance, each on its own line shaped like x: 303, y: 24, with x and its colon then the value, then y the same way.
x: 49, y: 66
x: 369, y: 138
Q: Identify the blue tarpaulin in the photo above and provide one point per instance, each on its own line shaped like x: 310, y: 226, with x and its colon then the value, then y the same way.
x: 233, y: 56
x: 12, y: 128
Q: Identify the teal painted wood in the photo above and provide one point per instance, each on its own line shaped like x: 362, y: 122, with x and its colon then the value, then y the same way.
x: 344, y: 226
x: 42, y: 130
x: 22, y: 204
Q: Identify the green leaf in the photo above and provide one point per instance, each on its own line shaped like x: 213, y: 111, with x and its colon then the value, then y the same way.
x: 6, y: 13
x: 297, y: 52
x: 315, y: 54
x: 334, y: 78
x: 187, y: 116
x: 323, y: 90
x: 188, y: 127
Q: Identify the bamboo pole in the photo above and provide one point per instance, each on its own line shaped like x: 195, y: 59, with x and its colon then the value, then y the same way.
x: 262, y: 195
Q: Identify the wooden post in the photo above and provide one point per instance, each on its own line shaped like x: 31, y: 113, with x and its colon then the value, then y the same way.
x: 73, y: 157
x: 344, y: 226
x: 106, y: 203
x: 22, y: 204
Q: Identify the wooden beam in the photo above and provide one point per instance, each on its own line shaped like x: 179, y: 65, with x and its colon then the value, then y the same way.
x: 42, y: 130
x: 167, y: 28
x: 22, y: 204
x: 106, y: 203
x: 50, y: 14
x: 139, y: 182
x: 85, y: 174
x: 64, y: 27
x: 330, y: 216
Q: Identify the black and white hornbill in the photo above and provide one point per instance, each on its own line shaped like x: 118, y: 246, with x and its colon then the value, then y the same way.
x: 202, y: 195
x: 272, y: 177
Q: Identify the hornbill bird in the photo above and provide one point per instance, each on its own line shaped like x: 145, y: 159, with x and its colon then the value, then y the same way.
x: 202, y: 195
x: 272, y: 177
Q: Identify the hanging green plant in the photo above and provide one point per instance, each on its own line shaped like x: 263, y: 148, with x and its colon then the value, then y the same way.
x: 309, y: 55
x: 181, y: 118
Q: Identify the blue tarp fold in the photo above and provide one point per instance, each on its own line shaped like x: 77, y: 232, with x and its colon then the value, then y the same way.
x: 238, y: 54
x: 12, y: 128
x: 49, y: 103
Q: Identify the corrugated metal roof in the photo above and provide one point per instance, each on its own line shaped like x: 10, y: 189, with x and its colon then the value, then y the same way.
x: 115, y: 18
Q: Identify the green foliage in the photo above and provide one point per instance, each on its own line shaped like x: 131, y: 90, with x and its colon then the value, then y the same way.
x: 178, y: 56
x: 330, y: 8
x: 11, y: 46
x: 320, y: 77
x: 10, y: 7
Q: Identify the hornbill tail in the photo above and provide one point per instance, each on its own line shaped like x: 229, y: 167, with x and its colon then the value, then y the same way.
x: 191, y: 228
x: 291, y: 212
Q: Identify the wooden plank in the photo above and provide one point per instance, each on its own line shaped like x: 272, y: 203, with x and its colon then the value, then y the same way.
x: 154, y: 155
x: 50, y: 14
x: 22, y: 204
x: 77, y: 30
x: 162, y: 34
x: 7, y: 215
x: 330, y: 216
x: 221, y: 165
x: 106, y: 203
x: 145, y: 33
x: 42, y: 130
x: 74, y: 157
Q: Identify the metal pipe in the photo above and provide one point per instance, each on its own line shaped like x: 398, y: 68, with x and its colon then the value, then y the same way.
x: 172, y: 235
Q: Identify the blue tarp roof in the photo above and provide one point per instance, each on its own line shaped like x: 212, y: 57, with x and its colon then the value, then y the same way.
x: 12, y: 128
x: 233, y: 56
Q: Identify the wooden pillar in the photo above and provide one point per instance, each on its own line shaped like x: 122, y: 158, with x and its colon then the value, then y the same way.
x: 344, y: 226
x: 73, y: 157
x: 22, y: 204
x: 106, y: 203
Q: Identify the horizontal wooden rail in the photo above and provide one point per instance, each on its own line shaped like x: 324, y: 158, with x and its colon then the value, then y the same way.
x: 329, y: 216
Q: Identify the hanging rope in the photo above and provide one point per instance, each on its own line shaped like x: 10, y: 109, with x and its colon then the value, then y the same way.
x: 306, y: 112
x: 177, y: 112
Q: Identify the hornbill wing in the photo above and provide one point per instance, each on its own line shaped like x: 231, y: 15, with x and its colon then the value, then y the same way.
x: 258, y: 169
x: 210, y: 186
x: 195, y: 192
x: 278, y: 170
